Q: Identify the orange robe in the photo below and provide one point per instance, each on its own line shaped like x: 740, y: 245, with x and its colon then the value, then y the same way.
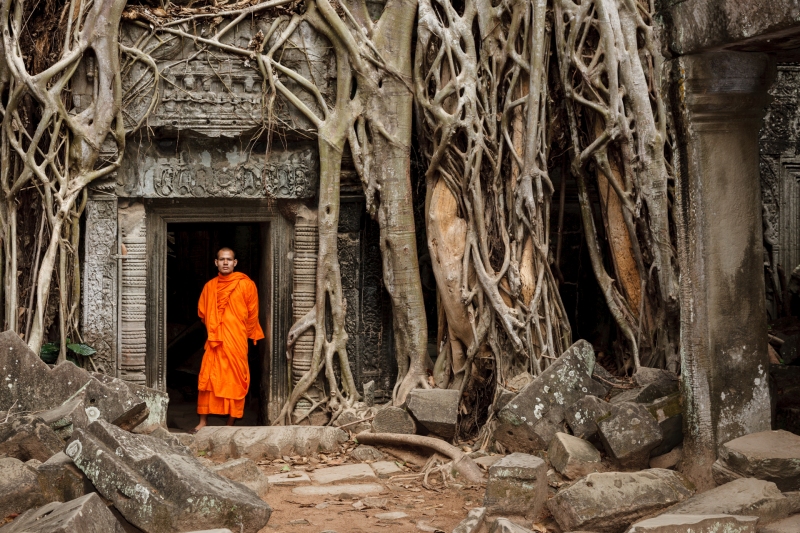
x: 228, y: 307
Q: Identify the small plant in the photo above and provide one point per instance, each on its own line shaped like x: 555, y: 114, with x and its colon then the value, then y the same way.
x: 49, y: 351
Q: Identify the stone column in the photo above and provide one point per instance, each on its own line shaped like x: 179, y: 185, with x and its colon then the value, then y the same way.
x: 133, y: 337
x: 719, y: 99
x: 100, y: 280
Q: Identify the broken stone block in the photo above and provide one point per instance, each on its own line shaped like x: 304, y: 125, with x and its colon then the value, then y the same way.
x: 629, y: 433
x: 351, y: 418
x: 520, y: 425
x: 87, y: 514
x: 343, y: 474
x: 67, y: 416
x: 668, y: 412
x: 366, y: 453
x: 604, y: 378
x: 61, y: 480
x: 787, y: 525
x: 517, y: 485
x: 473, y: 522
x: 19, y: 487
x: 746, y: 496
x: 157, y: 401
x: 356, y: 489
x: 159, y: 487
x: 246, y: 472
x: 369, y: 393
x: 582, y: 417
x: 386, y: 469
x: 35, y: 387
x: 652, y: 383
x: 435, y: 409
x: 670, y: 523
x: 504, y: 525
x: 609, y: 502
x: 393, y: 420
x: 668, y: 460
x: 573, y: 457
x: 28, y: 437
x: 768, y: 455
x: 268, y: 442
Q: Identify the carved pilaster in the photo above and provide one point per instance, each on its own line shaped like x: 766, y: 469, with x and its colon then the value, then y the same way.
x: 133, y: 349
x: 100, y: 281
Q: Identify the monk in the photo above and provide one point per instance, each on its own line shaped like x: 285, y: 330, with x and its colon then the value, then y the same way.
x: 228, y: 307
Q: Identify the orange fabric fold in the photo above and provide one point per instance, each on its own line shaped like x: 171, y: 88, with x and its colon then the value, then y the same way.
x: 228, y: 307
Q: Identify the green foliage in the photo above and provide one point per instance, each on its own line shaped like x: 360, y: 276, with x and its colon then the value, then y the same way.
x: 49, y: 351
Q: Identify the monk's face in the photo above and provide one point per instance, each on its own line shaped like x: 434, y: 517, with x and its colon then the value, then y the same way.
x: 225, y: 262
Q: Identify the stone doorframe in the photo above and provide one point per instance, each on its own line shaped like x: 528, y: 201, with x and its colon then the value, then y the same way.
x: 278, y: 312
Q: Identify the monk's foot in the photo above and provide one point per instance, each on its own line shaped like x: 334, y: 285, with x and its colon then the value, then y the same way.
x: 197, y: 428
x: 231, y: 421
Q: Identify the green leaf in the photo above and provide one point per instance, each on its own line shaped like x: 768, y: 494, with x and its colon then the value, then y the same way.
x: 285, y: 468
x: 49, y: 352
x: 82, y: 349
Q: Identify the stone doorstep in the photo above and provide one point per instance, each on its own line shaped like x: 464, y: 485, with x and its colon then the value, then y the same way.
x: 357, y: 489
x: 343, y: 474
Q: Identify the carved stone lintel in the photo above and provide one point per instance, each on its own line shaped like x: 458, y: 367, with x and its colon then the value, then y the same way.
x: 133, y: 349
x: 100, y: 280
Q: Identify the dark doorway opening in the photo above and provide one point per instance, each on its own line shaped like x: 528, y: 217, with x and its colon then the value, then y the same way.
x: 191, y: 249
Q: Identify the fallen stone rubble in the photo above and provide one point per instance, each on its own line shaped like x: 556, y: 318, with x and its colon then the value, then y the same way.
x: 572, y: 450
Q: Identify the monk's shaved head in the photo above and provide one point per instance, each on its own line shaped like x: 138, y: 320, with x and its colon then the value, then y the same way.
x: 226, y: 250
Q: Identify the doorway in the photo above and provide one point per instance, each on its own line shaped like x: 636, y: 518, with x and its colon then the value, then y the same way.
x: 191, y: 249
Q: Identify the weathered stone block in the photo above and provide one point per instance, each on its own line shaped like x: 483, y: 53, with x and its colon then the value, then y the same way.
x: 746, y: 496
x: 517, y: 485
x: 668, y: 460
x: 435, y: 409
x: 473, y: 523
x: 768, y: 455
x: 61, y: 480
x: 652, y: 383
x: 609, y: 502
x: 64, y: 418
x: 87, y: 514
x: 157, y: 401
x: 629, y: 433
x: 787, y: 525
x: 19, y: 487
x: 504, y: 525
x: 669, y: 523
x: 35, y: 387
x: 270, y: 442
x: 668, y: 412
x: 573, y: 457
x: 386, y: 469
x: 366, y: 453
x: 246, y: 472
x: 393, y: 420
x: 28, y: 437
x: 582, y: 417
x: 523, y: 425
x: 160, y: 487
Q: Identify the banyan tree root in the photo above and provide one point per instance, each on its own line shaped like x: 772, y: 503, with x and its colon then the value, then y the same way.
x: 461, y: 461
x: 481, y: 82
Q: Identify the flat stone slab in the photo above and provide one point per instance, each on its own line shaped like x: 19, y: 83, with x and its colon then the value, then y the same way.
x: 530, y: 420
x: 504, y: 525
x: 289, y: 478
x: 19, y: 487
x: 768, y: 455
x: 517, y: 485
x: 343, y: 474
x: 394, y: 515
x: 158, y: 486
x: 386, y: 469
x: 357, y: 489
x: 672, y: 523
x: 787, y: 525
x: 268, y: 442
x: 746, y: 496
x: 473, y: 522
x: 246, y: 472
x: 610, y: 501
x: 87, y: 514
x: 573, y: 457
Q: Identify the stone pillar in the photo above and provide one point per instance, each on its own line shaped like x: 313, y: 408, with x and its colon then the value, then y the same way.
x: 100, y: 280
x: 133, y: 337
x: 719, y: 99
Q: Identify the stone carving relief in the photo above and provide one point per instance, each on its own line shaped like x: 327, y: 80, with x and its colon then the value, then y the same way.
x: 133, y: 349
x: 100, y: 281
x: 202, y: 170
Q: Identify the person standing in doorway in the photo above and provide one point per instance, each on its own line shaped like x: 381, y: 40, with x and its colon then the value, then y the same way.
x: 228, y: 307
